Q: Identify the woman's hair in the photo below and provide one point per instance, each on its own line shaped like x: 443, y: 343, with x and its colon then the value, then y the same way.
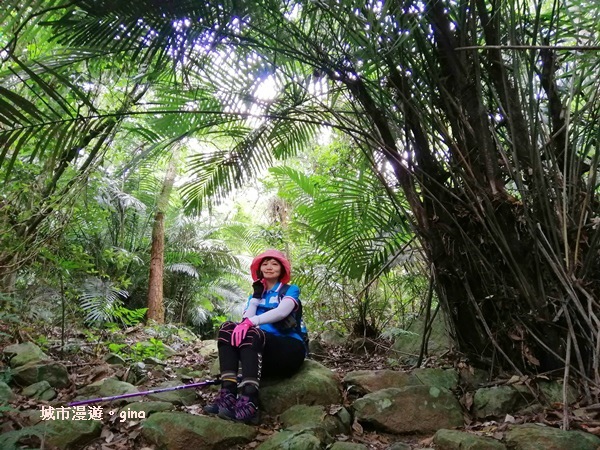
x: 268, y: 258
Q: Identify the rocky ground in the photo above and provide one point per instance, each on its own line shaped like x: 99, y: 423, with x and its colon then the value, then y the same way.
x: 336, y: 402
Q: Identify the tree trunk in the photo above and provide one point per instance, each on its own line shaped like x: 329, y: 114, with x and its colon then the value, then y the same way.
x: 505, y: 224
x: 507, y: 268
x: 8, y: 274
x: 156, y: 311
x: 495, y: 296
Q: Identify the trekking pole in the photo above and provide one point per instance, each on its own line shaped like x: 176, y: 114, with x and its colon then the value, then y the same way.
x: 137, y: 394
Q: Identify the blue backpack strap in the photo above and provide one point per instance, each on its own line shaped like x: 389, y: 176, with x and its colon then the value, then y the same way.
x: 298, y: 312
x: 282, y: 291
x: 300, y: 329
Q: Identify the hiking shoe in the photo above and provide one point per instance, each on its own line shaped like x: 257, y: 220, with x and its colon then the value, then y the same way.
x: 245, y: 411
x: 224, y: 401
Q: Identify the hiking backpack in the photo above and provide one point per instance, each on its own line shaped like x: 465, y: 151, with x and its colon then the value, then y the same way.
x: 294, y: 320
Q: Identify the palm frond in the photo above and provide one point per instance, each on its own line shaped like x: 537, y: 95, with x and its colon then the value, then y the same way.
x: 111, y: 196
x: 221, y: 171
x: 183, y: 268
x: 100, y: 299
x: 351, y: 217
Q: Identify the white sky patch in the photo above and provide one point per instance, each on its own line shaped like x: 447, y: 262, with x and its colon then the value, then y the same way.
x: 325, y: 136
x: 293, y: 13
x: 319, y: 87
x: 179, y: 24
x: 267, y: 90
x: 255, y: 119
x: 87, y: 86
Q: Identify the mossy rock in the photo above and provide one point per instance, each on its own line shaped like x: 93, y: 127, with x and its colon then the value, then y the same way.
x: 24, y: 353
x: 182, y: 431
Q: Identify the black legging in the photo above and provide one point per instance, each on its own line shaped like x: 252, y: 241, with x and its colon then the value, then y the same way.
x: 260, y: 354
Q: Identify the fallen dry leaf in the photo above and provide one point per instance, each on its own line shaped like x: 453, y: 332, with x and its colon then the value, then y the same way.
x: 134, y: 434
x: 467, y: 400
x: 334, y: 409
x: 357, y: 427
x: 515, y: 337
x: 107, y: 435
x: 427, y: 442
x: 514, y: 379
x: 529, y: 356
x: 502, y: 427
x: 131, y: 424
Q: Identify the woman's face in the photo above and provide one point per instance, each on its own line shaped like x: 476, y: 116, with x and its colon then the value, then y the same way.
x: 270, y: 268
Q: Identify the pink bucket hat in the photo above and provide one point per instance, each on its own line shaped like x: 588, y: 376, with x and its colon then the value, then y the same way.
x: 276, y: 254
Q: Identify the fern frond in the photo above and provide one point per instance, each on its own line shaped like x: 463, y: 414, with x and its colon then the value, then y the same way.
x: 183, y: 268
x: 100, y: 299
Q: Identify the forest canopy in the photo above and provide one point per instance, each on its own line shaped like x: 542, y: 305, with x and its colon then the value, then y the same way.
x: 463, y: 155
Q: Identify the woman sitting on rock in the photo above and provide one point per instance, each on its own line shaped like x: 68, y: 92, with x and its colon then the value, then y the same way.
x: 267, y: 341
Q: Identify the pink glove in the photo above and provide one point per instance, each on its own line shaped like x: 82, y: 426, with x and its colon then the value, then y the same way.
x: 239, y: 332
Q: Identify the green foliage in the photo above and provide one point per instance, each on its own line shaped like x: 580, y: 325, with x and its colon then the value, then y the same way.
x: 351, y: 217
x: 42, y: 342
x: 101, y: 301
x: 393, y: 363
x: 129, y: 317
x: 7, y: 408
x: 202, y: 273
x: 462, y: 128
x: 391, y: 333
x: 113, y: 347
x: 6, y: 375
x: 51, y: 154
x: 9, y: 319
x: 111, y: 327
x: 217, y: 321
x: 91, y: 336
x: 152, y: 348
x: 140, y: 350
x: 170, y: 333
x: 353, y: 239
x: 204, y: 277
